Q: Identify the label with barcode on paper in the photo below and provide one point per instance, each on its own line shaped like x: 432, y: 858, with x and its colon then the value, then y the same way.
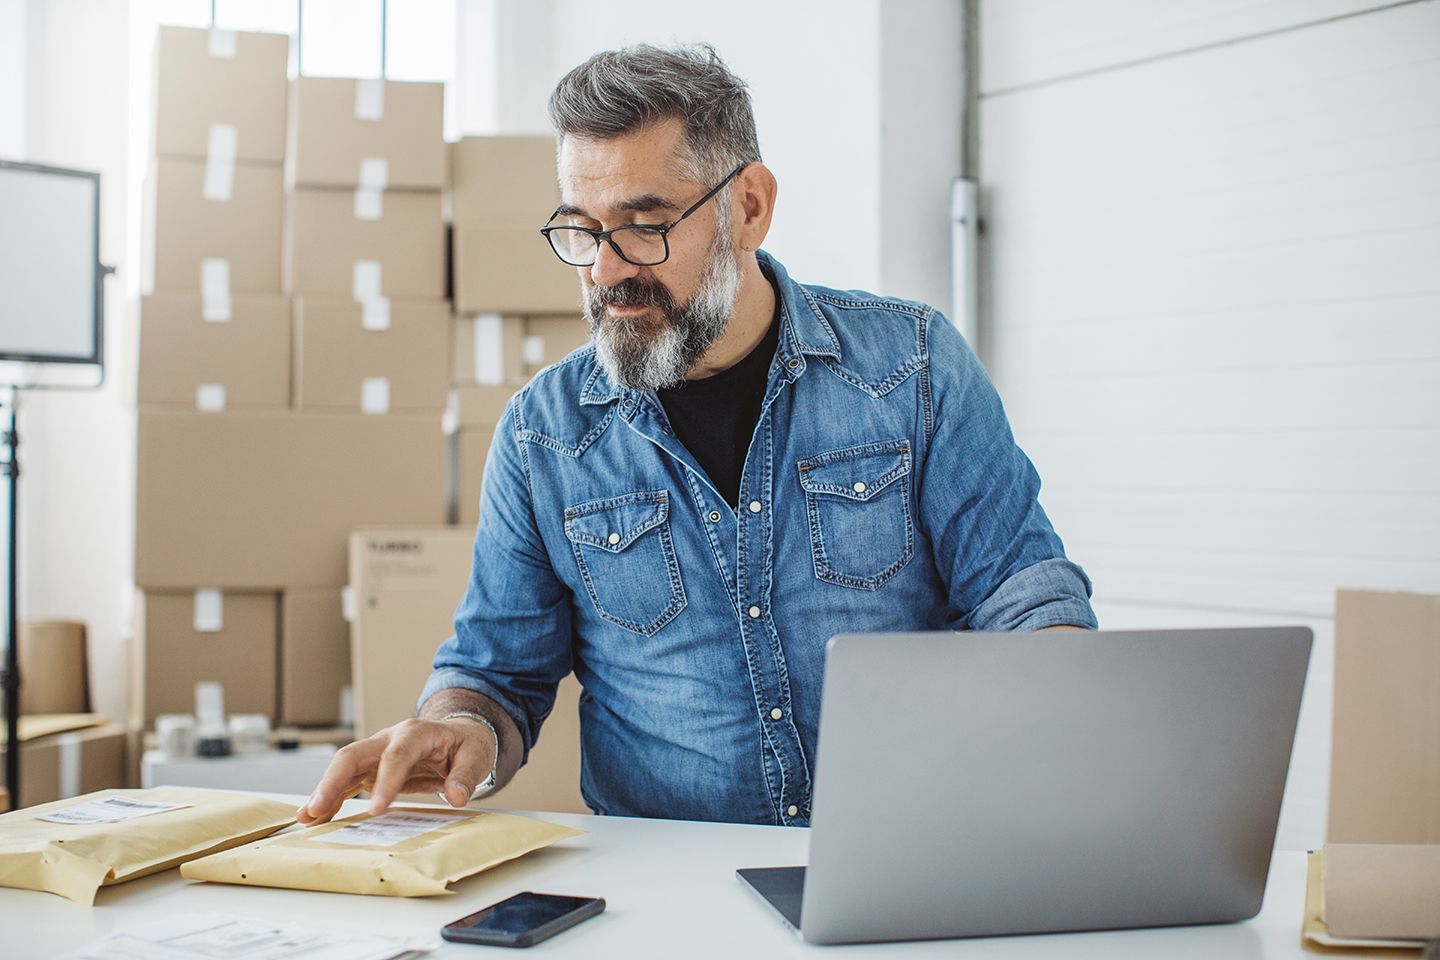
x: 108, y: 810
x: 388, y: 829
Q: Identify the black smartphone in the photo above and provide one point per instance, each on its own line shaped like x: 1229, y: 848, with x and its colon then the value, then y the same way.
x: 522, y: 920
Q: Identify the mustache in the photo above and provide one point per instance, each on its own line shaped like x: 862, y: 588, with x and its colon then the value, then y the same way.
x: 632, y: 292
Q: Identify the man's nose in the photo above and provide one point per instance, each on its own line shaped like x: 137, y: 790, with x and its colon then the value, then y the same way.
x: 609, y: 267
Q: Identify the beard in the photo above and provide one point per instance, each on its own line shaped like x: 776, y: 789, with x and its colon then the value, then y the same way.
x: 643, y: 353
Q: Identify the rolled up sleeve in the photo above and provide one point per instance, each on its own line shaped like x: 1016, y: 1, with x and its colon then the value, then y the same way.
x: 512, y: 638
x: 1004, y: 564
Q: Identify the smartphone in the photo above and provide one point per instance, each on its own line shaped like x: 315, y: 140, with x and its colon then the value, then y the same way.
x: 522, y: 920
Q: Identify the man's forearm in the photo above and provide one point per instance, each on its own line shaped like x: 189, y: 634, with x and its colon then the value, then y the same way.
x: 457, y: 699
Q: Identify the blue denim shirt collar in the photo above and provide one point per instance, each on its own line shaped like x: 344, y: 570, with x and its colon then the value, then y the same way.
x: 804, y: 331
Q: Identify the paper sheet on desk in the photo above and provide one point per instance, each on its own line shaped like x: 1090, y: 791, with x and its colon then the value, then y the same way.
x: 218, y: 936
x: 407, y: 852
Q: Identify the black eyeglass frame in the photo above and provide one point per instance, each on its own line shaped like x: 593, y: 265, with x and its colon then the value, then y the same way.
x: 608, y: 236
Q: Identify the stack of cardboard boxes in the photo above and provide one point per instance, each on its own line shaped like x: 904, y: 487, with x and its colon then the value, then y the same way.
x: 269, y: 429
x: 516, y: 305
x: 295, y: 348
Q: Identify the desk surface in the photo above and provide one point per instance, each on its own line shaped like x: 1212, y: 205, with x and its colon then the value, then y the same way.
x: 671, y: 891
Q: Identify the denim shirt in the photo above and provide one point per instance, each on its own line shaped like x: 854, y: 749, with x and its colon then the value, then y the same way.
x: 883, y: 491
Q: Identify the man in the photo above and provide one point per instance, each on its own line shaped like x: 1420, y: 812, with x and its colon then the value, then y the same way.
x: 737, y: 469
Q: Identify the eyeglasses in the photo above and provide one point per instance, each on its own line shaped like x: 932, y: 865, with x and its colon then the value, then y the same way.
x: 641, y: 244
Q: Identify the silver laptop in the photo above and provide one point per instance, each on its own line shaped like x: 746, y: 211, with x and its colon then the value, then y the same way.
x: 981, y: 784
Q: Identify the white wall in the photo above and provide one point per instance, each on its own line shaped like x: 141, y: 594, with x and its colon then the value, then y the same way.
x: 1215, y: 306
x: 77, y: 449
x: 12, y: 79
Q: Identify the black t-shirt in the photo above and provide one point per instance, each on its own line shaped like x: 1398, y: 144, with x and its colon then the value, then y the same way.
x: 715, y: 417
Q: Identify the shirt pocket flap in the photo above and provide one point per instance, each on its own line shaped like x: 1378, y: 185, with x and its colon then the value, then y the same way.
x: 615, y: 523
x: 856, y: 473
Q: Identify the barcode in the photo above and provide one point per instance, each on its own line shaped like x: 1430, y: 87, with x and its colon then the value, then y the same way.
x: 121, y: 802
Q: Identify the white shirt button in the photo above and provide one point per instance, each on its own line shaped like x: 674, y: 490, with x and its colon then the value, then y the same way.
x: 754, y: 612
x: 791, y: 810
x: 859, y: 487
x: 613, y: 538
x: 754, y: 506
x: 776, y: 714
x: 714, y: 516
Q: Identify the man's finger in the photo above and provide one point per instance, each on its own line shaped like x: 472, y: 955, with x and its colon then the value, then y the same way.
x: 353, y: 764
x: 408, y: 743
x: 469, y: 766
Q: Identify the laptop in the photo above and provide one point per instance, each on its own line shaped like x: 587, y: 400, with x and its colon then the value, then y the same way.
x: 986, y: 784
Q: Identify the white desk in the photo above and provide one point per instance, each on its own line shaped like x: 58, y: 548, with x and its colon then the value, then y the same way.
x: 671, y: 892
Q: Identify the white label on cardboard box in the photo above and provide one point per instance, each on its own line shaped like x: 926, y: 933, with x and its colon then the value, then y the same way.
x: 210, y: 398
x: 370, y: 99
x: 489, y: 348
x: 348, y: 610
x: 388, y: 829
x: 374, y: 173
x: 532, y: 350
x: 71, y: 751
x: 215, y: 289
x: 221, y: 44
x: 108, y: 810
x: 209, y: 610
x: 209, y: 705
x: 375, y: 395
x: 369, y: 204
x: 365, y: 280
x: 220, y: 163
x: 375, y: 313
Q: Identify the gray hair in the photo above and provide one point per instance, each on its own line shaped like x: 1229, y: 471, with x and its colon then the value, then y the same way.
x: 621, y: 91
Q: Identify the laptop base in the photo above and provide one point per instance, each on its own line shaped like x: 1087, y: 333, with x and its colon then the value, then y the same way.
x: 782, y: 888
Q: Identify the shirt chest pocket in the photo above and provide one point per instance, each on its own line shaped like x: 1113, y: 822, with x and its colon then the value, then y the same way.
x: 627, y: 561
x: 857, y: 502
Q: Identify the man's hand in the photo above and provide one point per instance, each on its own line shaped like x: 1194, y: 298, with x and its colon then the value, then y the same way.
x: 413, y: 756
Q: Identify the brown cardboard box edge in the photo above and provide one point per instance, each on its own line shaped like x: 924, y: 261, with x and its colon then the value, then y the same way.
x: 1384, y: 891
x: 1385, y: 769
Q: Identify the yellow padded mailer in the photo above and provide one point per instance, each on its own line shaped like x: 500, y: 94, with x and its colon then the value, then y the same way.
x: 76, y: 859
x: 404, y: 852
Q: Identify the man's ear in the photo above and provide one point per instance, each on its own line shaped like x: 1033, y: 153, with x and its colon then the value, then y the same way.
x: 752, y: 205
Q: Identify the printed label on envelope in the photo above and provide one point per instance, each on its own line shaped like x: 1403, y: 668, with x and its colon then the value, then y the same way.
x: 108, y: 810
x: 388, y: 829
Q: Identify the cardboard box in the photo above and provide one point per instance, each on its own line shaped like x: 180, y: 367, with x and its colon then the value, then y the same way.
x: 1385, y: 767
x: 503, y: 178
x: 185, y: 637
x: 507, y: 267
x: 208, y: 78
x: 476, y: 411
x: 340, y: 364
x: 188, y: 361
x: 407, y: 585
x: 244, y: 500
x: 1386, y: 891
x: 314, y: 656
x: 488, y: 348
x: 394, y: 130
x: 328, y: 250
x: 53, y: 667
x: 237, y: 230
x: 551, y: 339
x: 470, y: 450
x: 68, y: 764
x: 478, y: 407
